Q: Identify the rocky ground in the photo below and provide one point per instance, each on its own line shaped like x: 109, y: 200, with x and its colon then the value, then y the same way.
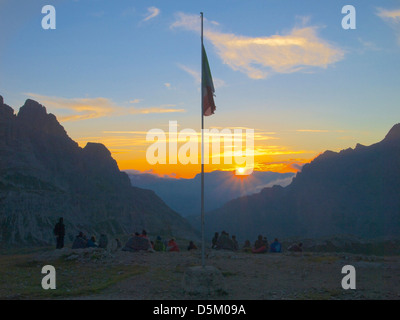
x: 101, y: 274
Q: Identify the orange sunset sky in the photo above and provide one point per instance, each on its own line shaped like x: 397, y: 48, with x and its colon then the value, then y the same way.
x: 112, y: 71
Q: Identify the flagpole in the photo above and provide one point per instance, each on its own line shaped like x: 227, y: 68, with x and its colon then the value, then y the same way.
x: 202, y: 151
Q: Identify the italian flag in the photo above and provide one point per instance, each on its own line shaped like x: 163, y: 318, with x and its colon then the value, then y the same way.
x: 207, y: 87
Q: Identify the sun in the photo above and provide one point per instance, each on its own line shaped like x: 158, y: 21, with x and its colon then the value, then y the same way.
x: 240, y: 170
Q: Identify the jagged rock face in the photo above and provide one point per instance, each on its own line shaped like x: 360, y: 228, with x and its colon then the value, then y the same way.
x: 45, y: 175
x: 355, y: 191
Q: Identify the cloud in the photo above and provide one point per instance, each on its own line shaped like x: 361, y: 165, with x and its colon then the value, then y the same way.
x: 166, y: 108
x: 92, y: 108
x: 311, y: 130
x: 297, y: 166
x: 83, y: 108
x: 368, y: 46
x: 152, y: 13
x: 291, y: 165
x: 389, y: 14
x: 258, y: 57
x: 134, y: 101
x: 283, y: 182
x: 279, y: 150
x: 392, y: 17
x: 319, y: 131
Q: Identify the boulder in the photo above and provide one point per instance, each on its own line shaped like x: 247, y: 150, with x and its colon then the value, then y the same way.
x: 204, y: 281
x: 137, y: 244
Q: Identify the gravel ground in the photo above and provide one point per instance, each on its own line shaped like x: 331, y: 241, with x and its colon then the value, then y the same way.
x: 249, y: 276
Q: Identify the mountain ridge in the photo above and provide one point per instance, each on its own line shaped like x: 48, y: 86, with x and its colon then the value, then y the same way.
x: 354, y: 191
x: 44, y: 174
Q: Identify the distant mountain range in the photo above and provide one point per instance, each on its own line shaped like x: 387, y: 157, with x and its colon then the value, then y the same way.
x: 183, y: 195
x: 44, y: 174
x: 355, y: 191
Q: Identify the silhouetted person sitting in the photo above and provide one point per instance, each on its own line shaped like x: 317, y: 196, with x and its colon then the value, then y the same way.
x: 224, y: 242
x: 172, y: 246
x: 91, y: 243
x: 276, y: 246
x: 214, y: 240
x: 144, y: 234
x: 247, y: 246
x: 235, y: 243
x: 259, y: 245
x: 59, y: 232
x: 296, y: 247
x: 265, y: 240
x: 159, y: 244
x: 192, y: 246
x: 80, y: 241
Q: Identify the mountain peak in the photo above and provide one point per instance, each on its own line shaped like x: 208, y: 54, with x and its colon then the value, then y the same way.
x: 6, y: 111
x: 393, y: 134
x: 97, y: 149
x: 32, y: 110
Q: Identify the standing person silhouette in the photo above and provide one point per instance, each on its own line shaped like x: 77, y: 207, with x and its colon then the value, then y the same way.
x: 59, y: 232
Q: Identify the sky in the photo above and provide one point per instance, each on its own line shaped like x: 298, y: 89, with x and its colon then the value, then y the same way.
x: 112, y: 71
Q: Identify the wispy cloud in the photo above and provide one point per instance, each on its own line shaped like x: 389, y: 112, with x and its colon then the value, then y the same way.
x: 152, y: 12
x: 311, y: 130
x: 75, y: 109
x: 258, y: 57
x: 81, y: 108
x: 219, y: 137
x: 291, y: 165
x: 319, y: 131
x: 392, y: 17
x: 165, y: 108
x: 367, y: 46
x: 389, y: 14
x: 280, y: 150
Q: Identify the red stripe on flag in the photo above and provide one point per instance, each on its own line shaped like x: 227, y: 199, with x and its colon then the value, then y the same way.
x: 208, y: 102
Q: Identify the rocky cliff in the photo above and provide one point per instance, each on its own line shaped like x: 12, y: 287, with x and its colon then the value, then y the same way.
x: 44, y: 174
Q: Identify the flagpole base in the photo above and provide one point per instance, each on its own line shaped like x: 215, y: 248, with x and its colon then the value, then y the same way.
x: 203, y: 282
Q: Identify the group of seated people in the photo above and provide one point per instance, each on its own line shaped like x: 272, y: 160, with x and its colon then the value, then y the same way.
x: 170, y: 246
x: 82, y: 242
x: 140, y: 242
x: 166, y: 246
x: 223, y: 241
x: 261, y: 245
x: 137, y: 242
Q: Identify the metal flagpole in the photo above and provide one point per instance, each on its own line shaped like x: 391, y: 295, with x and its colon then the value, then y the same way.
x: 202, y: 150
